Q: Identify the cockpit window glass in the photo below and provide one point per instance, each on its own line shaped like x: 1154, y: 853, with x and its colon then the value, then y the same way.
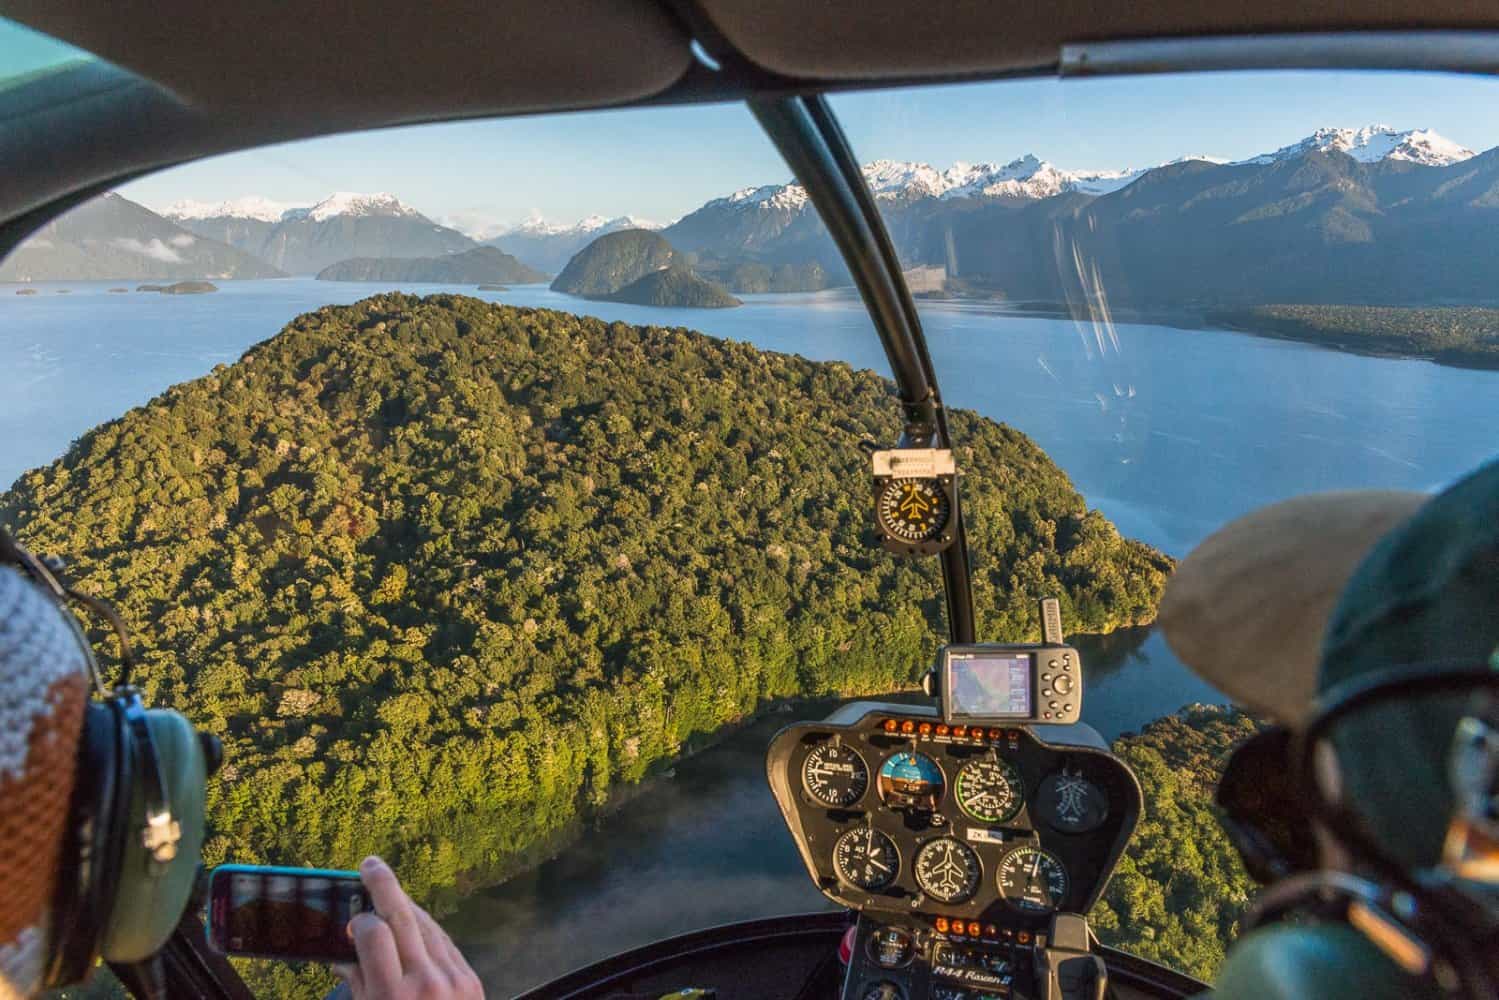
x: 497, y: 491
x: 1200, y: 294
x: 26, y: 54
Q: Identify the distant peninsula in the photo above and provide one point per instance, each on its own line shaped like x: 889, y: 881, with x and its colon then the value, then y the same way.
x: 481, y: 265
x: 1461, y: 336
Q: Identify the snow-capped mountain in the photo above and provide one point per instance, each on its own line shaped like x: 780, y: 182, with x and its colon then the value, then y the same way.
x: 1030, y: 177
x: 548, y: 246
x: 349, y: 203
x: 249, y: 207
x: 536, y: 225
x: 304, y: 239
x: 259, y: 209
x: 899, y: 180
x: 1374, y: 143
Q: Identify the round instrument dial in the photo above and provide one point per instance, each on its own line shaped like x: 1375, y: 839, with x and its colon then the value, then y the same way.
x: 913, y: 510
x: 883, y: 990
x: 866, y: 859
x: 911, y: 780
x: 989, y: 790
x: 1070, y: 803
x: 835, y: 775
x: 947, y: 870
x: 1032, y: 879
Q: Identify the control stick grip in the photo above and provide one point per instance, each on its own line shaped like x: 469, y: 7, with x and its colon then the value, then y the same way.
x: 1065, y: 969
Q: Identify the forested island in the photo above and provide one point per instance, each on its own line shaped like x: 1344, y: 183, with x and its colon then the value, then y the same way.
x: 441, y: 573
x: 1464, y: 336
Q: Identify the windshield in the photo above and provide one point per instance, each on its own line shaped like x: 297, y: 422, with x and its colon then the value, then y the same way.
x: 27, y: 54
x: 497, y: 490
x: 1200, y: 295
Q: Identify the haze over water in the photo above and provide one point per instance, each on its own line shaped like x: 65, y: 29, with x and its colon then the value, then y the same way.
x: 1170, y: 432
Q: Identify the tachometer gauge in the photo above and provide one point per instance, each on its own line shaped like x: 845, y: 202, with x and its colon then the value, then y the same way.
x: 911, y: 780
x: 989, y: 790
x: 947, y: 870
x: 1070, y: 803
x: 835, y: 775
x: 1032, y: 879
x: 866, y: 859
x: 913, y: 510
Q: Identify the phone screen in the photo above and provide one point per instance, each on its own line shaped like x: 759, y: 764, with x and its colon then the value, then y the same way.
x: 285, y: 913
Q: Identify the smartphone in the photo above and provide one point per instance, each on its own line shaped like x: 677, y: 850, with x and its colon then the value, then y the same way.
x: 296, y: 914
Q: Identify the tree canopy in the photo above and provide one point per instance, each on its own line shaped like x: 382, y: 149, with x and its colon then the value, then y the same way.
x: 440, y: 572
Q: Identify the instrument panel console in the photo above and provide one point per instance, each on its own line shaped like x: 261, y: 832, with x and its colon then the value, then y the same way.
x: 959, y: 845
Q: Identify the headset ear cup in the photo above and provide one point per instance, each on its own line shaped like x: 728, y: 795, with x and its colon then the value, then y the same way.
x: 90, y: 861
x: 150, y: 898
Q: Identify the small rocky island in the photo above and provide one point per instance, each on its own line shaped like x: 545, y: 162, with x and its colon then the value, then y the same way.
x: 189, y: 288
x: 640, y: 267
x: 676, y: 286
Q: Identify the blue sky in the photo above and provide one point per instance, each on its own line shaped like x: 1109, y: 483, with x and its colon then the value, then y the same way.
x: 662, y: 163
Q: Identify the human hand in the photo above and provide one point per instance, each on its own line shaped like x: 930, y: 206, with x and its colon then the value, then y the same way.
x: 403, y: 954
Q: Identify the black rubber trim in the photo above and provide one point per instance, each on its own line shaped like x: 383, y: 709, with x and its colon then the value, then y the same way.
x: 807, y: 135
x: 1125, y: 969
x: 593, y: 979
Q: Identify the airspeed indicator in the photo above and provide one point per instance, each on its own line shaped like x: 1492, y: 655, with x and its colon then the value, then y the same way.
x: 989, y: 790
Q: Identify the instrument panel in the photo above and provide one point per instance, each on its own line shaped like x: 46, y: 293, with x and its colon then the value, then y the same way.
x: 989, y: 829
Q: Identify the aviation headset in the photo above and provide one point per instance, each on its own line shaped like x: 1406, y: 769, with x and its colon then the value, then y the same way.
x: 1439, y: 923
x: 135, y: 823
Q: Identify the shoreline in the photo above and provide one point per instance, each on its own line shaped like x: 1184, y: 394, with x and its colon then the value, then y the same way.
x: 588, y: 817
x: 1226, y: 320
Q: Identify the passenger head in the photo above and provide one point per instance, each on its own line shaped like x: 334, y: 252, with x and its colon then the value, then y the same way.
x: 1425, y: 598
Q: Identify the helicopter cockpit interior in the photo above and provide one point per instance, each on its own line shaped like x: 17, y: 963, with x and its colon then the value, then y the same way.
x: 960, y: 822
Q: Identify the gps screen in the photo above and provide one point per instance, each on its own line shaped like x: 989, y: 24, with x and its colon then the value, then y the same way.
x: 989, y: 685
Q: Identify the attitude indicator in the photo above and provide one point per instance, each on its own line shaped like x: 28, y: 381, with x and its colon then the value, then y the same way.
x: 911, y: 780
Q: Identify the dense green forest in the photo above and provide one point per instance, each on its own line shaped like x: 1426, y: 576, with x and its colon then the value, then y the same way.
x: 1180, y: 888
x: 440, y: 572
x: 1464, y: 336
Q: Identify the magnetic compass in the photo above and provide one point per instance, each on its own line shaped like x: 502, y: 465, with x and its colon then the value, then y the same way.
x: 913, y: 510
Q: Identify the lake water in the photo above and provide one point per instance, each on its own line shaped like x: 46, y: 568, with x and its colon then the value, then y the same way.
x: 1170, y: 432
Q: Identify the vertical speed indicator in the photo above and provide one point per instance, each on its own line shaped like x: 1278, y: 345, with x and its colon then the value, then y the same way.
x: 835, y: 775
x: 1032, y: 879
